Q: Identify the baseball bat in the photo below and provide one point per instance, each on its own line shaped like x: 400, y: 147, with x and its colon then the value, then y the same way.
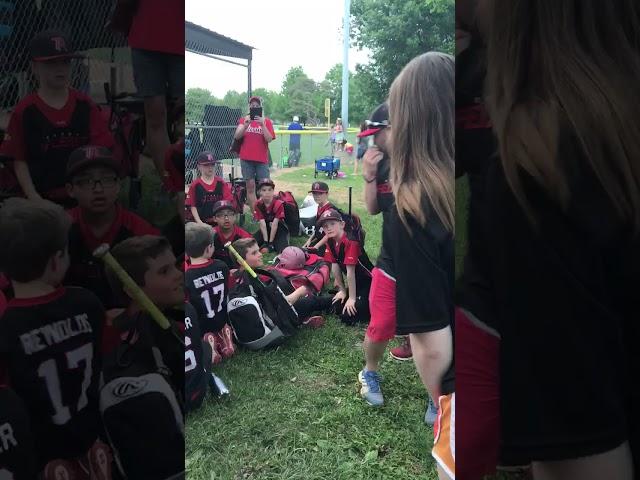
x: 103, y: 253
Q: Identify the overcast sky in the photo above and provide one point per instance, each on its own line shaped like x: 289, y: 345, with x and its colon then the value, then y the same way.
x: 285, y: 33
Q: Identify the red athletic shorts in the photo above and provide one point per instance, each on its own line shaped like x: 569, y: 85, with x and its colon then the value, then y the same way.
x: 382, y: 305
x: 477, y: 389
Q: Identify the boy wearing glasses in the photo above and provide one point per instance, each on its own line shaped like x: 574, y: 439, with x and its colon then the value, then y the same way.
x: 47, y: 125
x: 225, y: 231
x: 92, y: 181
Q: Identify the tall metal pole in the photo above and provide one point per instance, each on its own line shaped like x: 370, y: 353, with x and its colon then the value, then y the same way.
x: 345, y: 63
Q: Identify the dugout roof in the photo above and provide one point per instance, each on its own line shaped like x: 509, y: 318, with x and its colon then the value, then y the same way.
x: 199, y: 40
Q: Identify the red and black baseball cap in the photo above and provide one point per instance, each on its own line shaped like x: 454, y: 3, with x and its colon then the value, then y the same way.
x: 330, y: 214
x: 51, y: 45
x: 206, y: 158
x: 90, y: 156
x: 255, y: 98
x: 265, y: 181
x: 378, y: 120
x: 222, y: 205
x: 319, y: 187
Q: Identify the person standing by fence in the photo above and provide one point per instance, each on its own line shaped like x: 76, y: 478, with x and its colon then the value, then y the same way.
x: 255, y: 132
x: 294, y: 142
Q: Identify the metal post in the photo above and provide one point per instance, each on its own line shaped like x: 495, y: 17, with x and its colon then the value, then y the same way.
x: 249, y: 79
x: 345, y: 64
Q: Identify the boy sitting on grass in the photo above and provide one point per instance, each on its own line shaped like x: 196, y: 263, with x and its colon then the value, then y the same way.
x: 207, y: 285
x: 50, y: 339
x: 320, y: 191
x: 92, y: 181
x: 273, y: 233
x: 347, y: 256
x: 207, y: 189
x: 225, y: 231
x: 306, y: 305
x: 47, y: 125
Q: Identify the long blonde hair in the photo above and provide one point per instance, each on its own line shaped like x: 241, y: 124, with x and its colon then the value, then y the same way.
x: 561, y: 69
x: 422, y: 138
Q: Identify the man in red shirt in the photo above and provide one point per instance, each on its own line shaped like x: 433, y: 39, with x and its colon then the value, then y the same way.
x: 156, y: 38
x: 255, y: 134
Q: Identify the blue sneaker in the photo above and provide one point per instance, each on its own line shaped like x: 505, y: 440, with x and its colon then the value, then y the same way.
x: 431, y: 414
x: 370, y: 390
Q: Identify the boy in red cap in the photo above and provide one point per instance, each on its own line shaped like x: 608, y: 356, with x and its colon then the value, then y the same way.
x: 320, y: 191
x: 207, y: 189
x: 92, y: 181
x: 225, y: 231
x: 347, y: 256
x: 269, y: 212
x: 47, y: 125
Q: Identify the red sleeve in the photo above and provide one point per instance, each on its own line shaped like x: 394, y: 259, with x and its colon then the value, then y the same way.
x: 242, y: 233
x: 139, y: 226
x: 240, y: 120
x: 13, y: 143
x: 270, y: 128
x: 279, y: 209
x: 191, y: 196
x: 257, y: 213
x: 328, y: 255
x: 351, y: 252
x: 100, y: 134
x: 226, y: 192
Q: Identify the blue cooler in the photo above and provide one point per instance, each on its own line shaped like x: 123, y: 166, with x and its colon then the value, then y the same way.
x: 328, y: 165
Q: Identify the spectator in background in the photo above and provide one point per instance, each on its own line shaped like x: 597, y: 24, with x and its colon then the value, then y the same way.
x: 294, y: 142
x: 255, y: 135
x: 339, y: 138
x: 156, y: 38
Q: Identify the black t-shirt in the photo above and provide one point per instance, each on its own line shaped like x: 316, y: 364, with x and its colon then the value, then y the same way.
x: 194, y: 370
x: 204, y: 196
x: 425, y: 272
x: 50, y: 346
x: 384, y: 198
x: 207, y: 291
x: 87, y: 271
x: 16, y: 441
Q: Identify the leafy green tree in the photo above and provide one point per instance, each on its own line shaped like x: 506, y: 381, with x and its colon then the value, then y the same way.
x: 195, y: 100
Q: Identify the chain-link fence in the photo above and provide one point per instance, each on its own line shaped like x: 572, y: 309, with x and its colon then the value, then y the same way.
x: 107, y: 58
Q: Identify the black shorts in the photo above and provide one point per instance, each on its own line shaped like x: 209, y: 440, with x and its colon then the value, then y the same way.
x: 158, y: 74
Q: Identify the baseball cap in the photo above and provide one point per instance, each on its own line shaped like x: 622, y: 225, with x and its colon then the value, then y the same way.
x: 256, y: 99
x: 378, y: 120
x: 51, y: 45
x: 222, y: 205
x: 206, y: 158
x: 292, y: 258
x: 296, y: 118
x: 90, y: 156
x: 265, y: 181
x: 330, y: 214
x: 319, y: 187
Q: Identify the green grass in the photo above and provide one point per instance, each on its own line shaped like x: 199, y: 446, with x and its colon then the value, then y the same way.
x: 312, y: 147
x: 295, y: 412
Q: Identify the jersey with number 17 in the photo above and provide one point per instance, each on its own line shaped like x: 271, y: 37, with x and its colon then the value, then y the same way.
x: 207, y: 290
x: 49, y: 347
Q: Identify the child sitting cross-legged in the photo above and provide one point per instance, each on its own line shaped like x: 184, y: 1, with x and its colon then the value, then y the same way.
x: 273, y: 233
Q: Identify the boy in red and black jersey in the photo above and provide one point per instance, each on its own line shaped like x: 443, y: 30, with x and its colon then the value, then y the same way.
x: 49, y: 335
x: 46, y: 126
x: 320, y: 191
x: 273, y: 233
x: 225, y: 231
x: 16, y: 440
x: 207, y: 189
x: 347, y: 256
x: 207, y: 285
x: 93, y: 182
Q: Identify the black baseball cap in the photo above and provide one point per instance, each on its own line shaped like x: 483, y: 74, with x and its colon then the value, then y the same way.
x: 222, y: 205
x: 51, y: 45
x: 319, y: 187
x: 378, y: 120
x: 90, y: 156
x: 266, y: 181
x: 330, y: 214
x: 206, y: 158
x: 255, y: 98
